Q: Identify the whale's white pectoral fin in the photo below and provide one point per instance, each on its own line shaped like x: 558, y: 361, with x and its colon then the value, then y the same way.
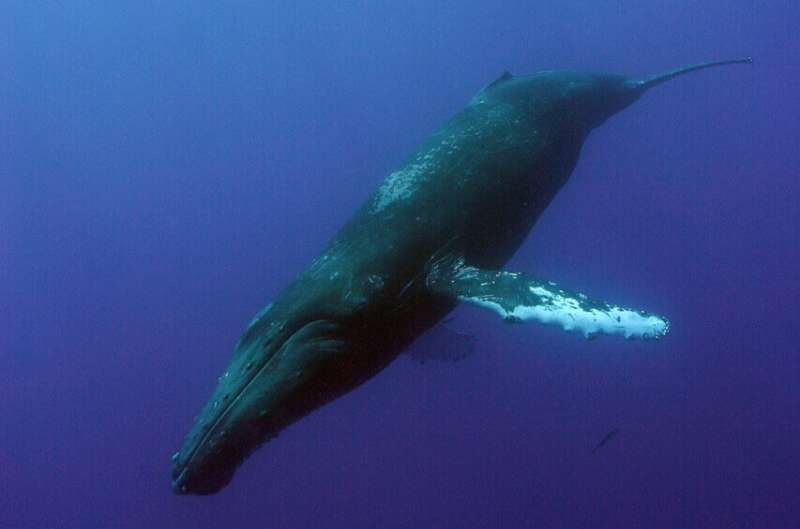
x: 518, y: 297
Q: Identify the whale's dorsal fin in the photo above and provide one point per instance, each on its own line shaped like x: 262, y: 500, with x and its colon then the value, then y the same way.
x: 518, y: 298
x: 505, y: 76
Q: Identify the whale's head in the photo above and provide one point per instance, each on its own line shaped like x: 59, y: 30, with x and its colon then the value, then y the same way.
x: 278, y: 374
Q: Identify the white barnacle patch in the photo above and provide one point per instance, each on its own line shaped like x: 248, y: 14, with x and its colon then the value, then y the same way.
x: 398, y: 186
x: 401, y: 184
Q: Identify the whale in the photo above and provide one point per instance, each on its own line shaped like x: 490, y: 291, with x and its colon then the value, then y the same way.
x: 436, y: 233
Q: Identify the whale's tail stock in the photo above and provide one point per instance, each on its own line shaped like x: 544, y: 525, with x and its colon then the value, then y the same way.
x: 650, y: 82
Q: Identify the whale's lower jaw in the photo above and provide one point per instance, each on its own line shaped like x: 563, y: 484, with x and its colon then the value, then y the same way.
x: 182, y: 484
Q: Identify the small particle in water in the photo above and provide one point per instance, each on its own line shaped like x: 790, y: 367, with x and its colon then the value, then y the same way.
x: 609, y: 436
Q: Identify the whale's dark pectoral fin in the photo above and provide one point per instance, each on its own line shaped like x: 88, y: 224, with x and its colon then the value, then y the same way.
x: 518, y: 297
x: 442, y: 344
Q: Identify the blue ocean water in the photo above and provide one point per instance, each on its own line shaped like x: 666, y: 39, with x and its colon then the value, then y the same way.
x: 166, y: 168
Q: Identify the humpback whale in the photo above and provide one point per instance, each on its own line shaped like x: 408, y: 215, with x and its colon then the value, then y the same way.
x: 436, y: 232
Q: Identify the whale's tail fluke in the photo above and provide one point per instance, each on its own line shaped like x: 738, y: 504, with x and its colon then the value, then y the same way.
x: 646, y: 84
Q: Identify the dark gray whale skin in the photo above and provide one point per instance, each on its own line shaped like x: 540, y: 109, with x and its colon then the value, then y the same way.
x: 473, y: 189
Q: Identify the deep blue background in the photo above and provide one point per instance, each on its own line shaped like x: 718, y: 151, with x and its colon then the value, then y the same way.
x: 165, y: 168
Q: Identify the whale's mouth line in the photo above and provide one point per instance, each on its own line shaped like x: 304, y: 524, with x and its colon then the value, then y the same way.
x: 213, y: 428
x: 226, y: 410
x: 177, y: 482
